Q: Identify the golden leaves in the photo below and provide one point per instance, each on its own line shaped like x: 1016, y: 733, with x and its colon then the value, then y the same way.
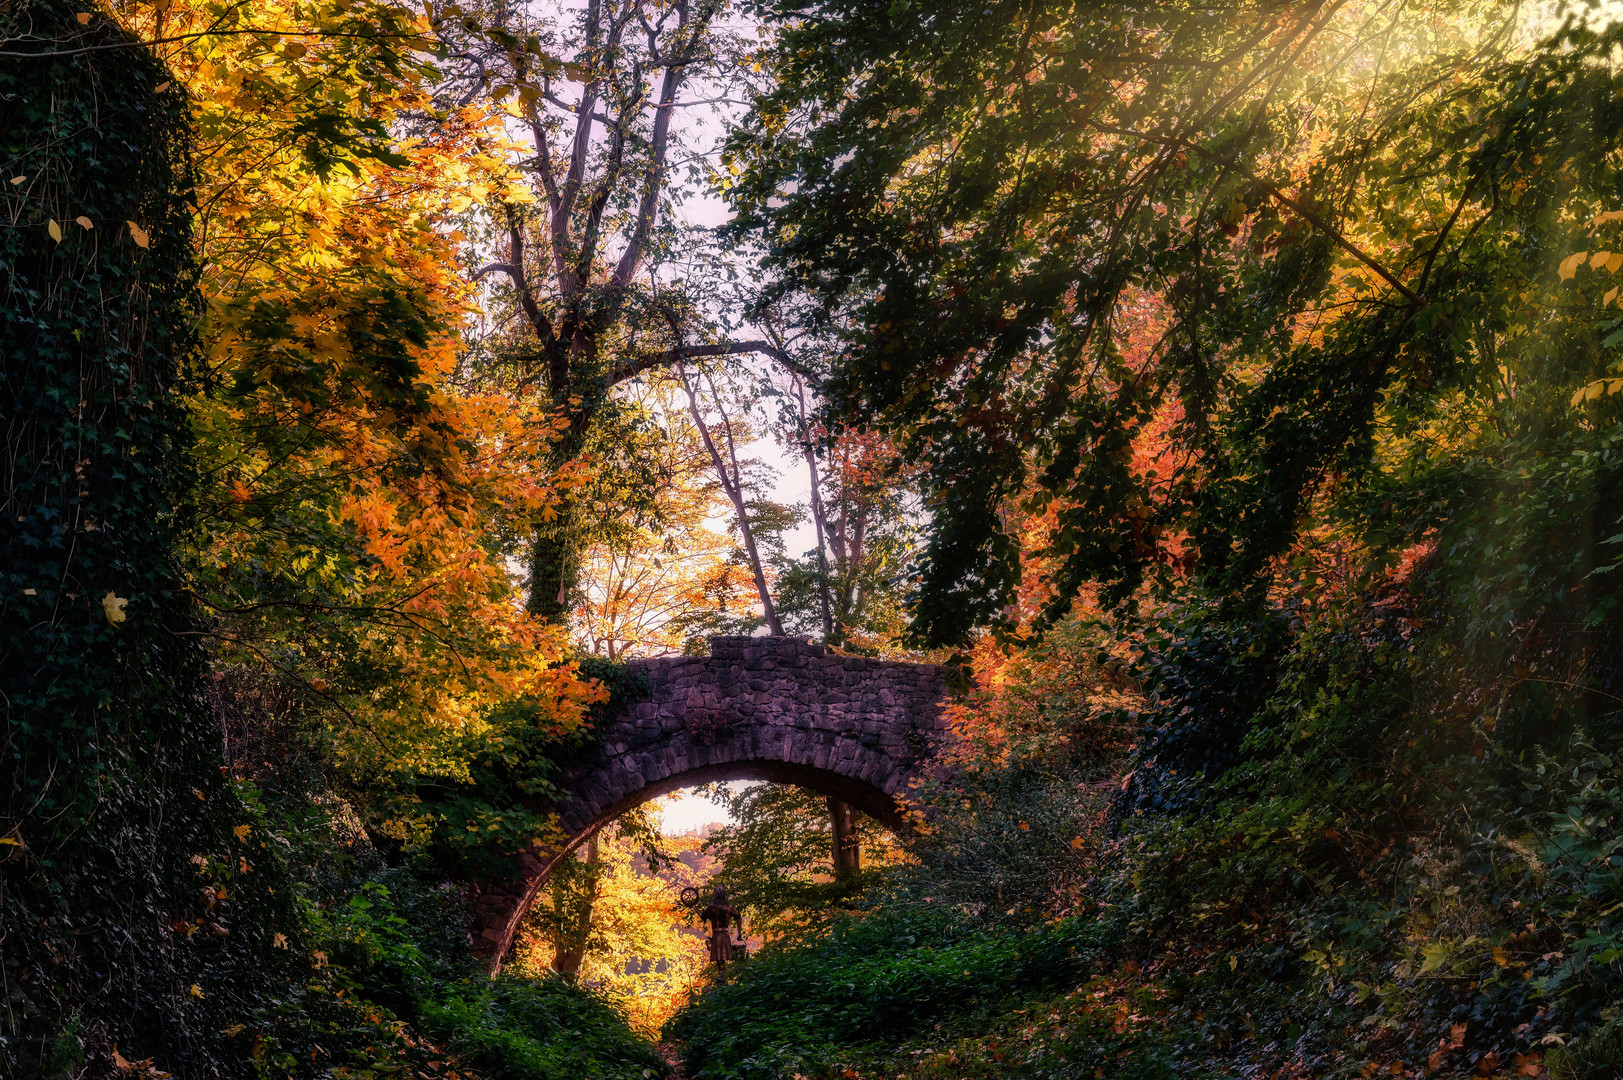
x: 142, y: 238
x: 1610, y: 261
x: 310, y: 279
x: 1598, y: 389
x: 305, y: 323
x: 83, y: 223
x: 55, y: 230
x: 112, y: 606
x: 143, y: 1067
x: 242, y: 832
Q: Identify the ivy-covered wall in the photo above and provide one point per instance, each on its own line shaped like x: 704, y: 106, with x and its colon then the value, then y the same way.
x: 139, y: 903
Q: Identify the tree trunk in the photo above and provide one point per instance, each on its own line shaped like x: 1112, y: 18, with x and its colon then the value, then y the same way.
x: 554, y: 566
x: 555, y: 548
x: 817, y: 520
x: 847, y: 851
x: 571, y: 948
x: 732, y: 483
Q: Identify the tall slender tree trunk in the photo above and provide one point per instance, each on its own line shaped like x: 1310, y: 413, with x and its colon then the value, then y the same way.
x: 728, y: 472
x: 829, y: 628
x: 847, y: 851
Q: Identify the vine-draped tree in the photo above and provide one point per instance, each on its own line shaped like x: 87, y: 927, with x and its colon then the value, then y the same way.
x: 119, y: 837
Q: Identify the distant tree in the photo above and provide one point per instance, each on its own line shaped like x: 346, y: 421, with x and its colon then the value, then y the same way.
x: 851, y: 589
x: 654, y: 579
x: 611, y: 919
x: 777, y: 856
x: 604, y: 282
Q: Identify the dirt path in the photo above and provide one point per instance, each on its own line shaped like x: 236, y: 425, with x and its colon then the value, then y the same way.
x: 672, y: 1053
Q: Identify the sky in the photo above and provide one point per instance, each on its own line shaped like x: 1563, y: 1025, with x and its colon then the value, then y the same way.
x: 682, y: 811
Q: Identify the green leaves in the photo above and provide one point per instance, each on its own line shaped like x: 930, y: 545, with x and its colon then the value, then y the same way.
x: 1141, y: 293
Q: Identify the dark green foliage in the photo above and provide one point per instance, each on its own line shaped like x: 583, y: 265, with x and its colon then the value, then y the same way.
x: 777, y: 858
x: 398, y: 941
x: 1013, y: 845
x: 1598, y: 1056
x: 880, y: 979
x: 95, y: 332
x: 479, y: 826
x: 538, y: 1029
x: 1205, y: 678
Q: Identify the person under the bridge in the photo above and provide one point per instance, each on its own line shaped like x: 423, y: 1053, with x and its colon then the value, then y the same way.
x: 719, y: 915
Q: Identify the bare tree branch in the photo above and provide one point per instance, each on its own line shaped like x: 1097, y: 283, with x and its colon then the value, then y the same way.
x: 681, y: 353
x: 732, y: 483
x: 526, y: 298
x: 675, y: 73
x: 611, y: 176
x: 601, y: 118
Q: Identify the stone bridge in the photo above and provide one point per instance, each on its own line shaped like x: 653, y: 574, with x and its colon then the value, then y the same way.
x: 779, y: 709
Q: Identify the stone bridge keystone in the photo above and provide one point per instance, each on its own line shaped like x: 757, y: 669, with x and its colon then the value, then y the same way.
x: 780, y: 709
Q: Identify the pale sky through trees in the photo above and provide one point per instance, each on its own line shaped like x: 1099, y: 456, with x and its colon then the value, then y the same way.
x: 685, y: 810
x: 791, y: 485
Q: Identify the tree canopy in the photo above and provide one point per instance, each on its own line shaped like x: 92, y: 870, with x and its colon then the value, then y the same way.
x: 1167, y: 273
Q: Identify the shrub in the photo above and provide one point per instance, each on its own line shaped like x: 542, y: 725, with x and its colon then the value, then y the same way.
x: 878, y: 979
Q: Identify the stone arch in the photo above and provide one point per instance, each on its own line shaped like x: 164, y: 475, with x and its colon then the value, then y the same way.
x: 779, y: 709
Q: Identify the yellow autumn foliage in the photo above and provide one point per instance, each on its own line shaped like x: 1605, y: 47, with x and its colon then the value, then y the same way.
x: 351, y: 483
